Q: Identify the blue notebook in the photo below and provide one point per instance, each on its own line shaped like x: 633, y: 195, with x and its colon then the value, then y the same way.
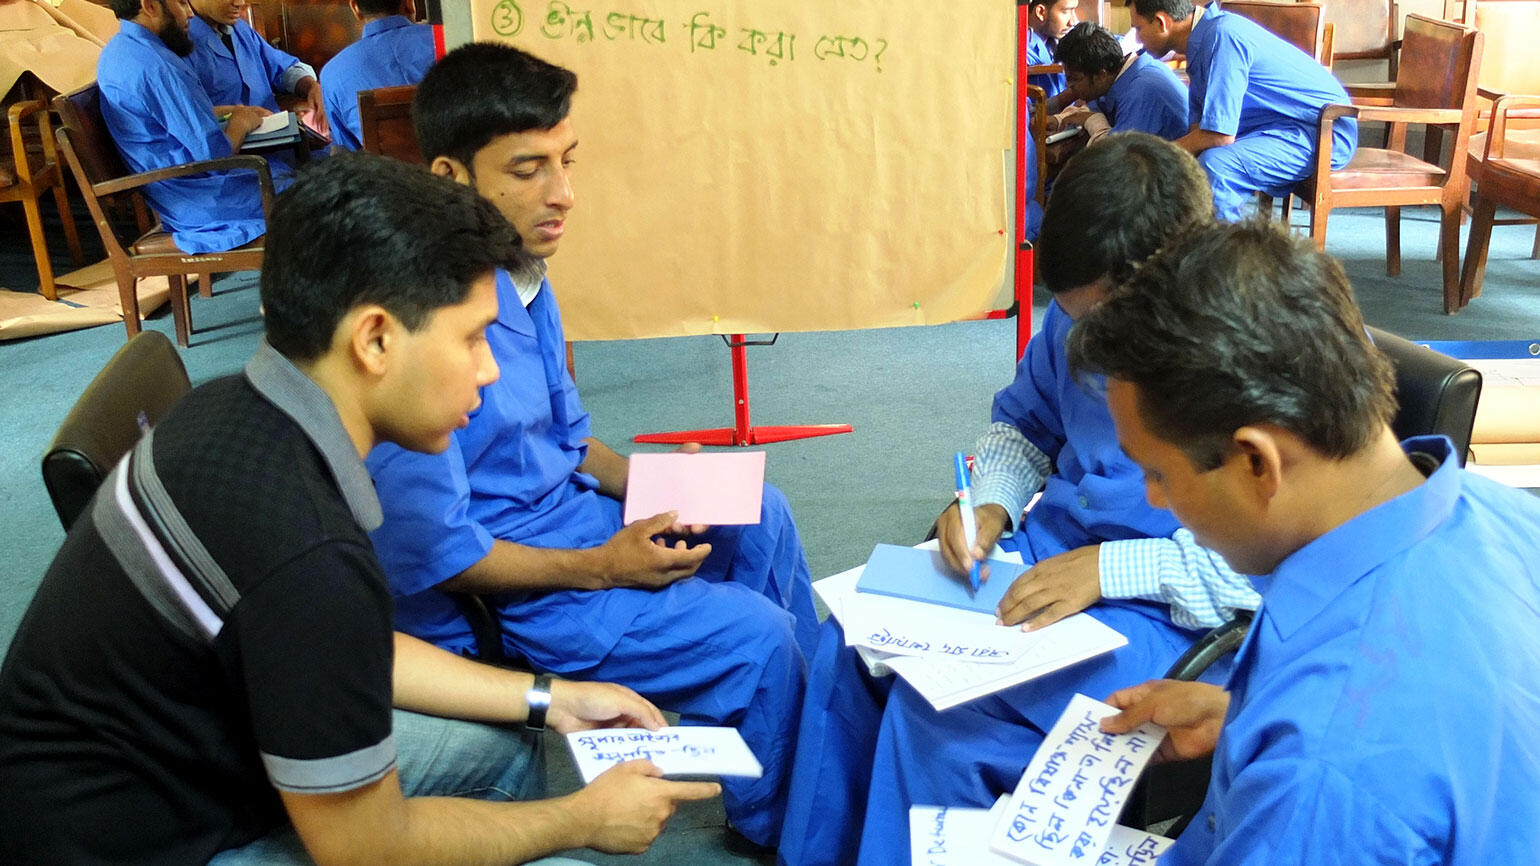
x: 922, y: 575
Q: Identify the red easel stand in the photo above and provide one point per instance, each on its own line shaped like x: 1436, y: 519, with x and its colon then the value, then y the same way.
x: 1024, y: 252
x: 743, y: 432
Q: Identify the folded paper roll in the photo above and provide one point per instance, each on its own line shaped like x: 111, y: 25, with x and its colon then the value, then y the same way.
x: 1508, y: 414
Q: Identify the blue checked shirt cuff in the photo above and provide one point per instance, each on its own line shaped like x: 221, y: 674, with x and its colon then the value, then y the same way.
x: 294, y: 75
x: 1200, y: 588
x: 1007, y: 470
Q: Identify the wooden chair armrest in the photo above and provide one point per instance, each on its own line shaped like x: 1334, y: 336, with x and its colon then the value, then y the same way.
x: 1045, y: 69
x: 1377, y: 93
x: 1499, y: 131
x: 15, y: 116
x: 226, y: 163
x: 1489, y: 94
x: 1390, y: 114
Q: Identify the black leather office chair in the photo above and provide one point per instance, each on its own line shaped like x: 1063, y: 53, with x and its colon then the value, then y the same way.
x: 1435, y: 394
x: 136, y: 388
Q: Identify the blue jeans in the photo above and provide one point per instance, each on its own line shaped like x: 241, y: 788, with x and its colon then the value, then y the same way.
x: 435, y: 757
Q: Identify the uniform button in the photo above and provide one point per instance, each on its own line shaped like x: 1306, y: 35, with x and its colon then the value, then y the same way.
x: 1084, y: 502
x: 1211, y: 822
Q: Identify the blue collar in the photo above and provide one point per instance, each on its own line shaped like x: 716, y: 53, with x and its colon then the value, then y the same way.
x: 511, y: 312
x: 1311, y: 578
x: 386, y: 24
x: 140, y: 33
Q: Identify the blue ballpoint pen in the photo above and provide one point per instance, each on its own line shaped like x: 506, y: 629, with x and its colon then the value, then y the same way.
x: 965, y: 511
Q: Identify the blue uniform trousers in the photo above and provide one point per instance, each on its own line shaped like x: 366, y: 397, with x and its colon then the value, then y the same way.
x: 869, y: 748
x: 1271, y: 160
x: 971, y: 754
x: 841, y: 712
x: 725, y: 647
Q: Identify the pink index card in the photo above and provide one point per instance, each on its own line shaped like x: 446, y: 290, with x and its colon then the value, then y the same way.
x: 718, y: 489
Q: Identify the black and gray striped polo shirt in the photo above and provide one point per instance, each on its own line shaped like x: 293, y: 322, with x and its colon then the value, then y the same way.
x: 215, y: 625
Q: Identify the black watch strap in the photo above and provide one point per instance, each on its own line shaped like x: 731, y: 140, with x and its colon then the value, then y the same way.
x: 539, y: 699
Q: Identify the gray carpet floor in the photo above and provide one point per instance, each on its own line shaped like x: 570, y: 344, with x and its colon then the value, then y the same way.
x: 913, y: 395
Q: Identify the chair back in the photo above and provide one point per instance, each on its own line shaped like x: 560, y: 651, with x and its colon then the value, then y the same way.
x: 81, y: 113
x: 1299, y: 24
x: 1363, y: 29
x: 137, y: 388
x: 385, y: 122
x: 93, y: 157
x: 1435, y: 394
x: 1438, y: 64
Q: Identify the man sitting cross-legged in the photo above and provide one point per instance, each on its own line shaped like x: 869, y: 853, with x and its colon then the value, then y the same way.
x: 525, y: 505
x: 864, y: 756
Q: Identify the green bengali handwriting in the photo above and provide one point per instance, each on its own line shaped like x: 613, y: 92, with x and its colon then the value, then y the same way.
x: 701, y: 33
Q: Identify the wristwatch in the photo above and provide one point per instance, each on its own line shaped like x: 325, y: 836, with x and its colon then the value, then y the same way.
x: 539, y: 699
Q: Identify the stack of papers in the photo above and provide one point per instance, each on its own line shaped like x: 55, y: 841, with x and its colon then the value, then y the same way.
x: 950, y: 655
x: 1063, y: 810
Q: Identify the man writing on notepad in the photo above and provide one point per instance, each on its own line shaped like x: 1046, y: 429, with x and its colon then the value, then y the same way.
x: 525, y: 506
x: 1384, y: 706
x: 864, y: 755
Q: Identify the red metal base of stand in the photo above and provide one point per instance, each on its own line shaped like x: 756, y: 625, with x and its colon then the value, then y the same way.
x: 743, y: 432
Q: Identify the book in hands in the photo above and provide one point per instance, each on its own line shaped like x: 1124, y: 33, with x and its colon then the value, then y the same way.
x: 275, y: 128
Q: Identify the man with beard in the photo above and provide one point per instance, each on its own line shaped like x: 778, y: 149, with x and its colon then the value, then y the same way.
x: 160, y: 116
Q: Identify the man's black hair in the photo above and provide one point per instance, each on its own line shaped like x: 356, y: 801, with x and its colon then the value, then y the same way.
x: 1089, y: 48
x: 1114, y: 204
x: 124, y: 9
x: 379, y: 7
x: 1048, y: 3
x: 360, y: 229
x: 1179, y: 10
x: 485, y: 90
x: 1236, y: 325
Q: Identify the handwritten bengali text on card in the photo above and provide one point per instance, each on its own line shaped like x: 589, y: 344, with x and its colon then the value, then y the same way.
x: 1067, y: 802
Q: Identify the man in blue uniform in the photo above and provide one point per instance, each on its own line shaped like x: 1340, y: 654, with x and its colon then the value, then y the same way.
x: 1050, y: 20
x: 391, y: 52
x: 159, y: 116
x: 1136, y: 93
x: 238, y: 67
x: 525, y: 505
x: 1383, y: 708
x: 1095, y: 543
x: 1254, y: 100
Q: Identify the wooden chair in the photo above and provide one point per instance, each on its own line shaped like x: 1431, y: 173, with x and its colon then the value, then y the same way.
x: 145, y: 251
x: 385, y: 122
x: 1508, y: 179
x: 1506, y: 68
x: 1302, y: 25
x: 1435, y: 85
x: 31, y: 177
